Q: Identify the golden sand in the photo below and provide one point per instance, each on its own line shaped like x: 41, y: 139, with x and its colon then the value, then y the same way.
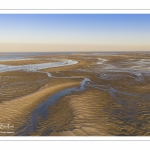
x: 90, y: 112
x: 94, y: 113
x: 19, y: 83
x: 16, y: 111
x: 77, y: 114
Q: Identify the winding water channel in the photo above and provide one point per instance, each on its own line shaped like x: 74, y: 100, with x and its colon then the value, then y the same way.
x: 42, y: 109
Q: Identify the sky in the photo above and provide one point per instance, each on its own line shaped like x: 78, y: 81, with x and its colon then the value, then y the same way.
x: 74, y: 32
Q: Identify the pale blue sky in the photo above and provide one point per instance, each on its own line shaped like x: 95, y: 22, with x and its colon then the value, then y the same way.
x: 101, y: 29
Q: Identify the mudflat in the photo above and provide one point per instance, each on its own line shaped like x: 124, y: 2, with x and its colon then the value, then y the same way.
x: 114, y: 100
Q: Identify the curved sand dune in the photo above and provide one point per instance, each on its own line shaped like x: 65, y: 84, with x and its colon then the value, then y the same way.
x: 15, y: 112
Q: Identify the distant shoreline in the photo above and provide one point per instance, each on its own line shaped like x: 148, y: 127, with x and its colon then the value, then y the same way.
x: 60, y: 52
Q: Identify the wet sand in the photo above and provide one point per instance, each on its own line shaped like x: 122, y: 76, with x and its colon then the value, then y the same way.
x: 25, y: 62
x: 81, y: 114
x: 95, y: 113
x: 115, y: 102
x: 16, y: 110
x: 20, y: 83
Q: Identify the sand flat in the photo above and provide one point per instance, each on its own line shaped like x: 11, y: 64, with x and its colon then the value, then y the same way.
x: 25, y: 62
x: 115, y: 102
x: 15, y: 111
